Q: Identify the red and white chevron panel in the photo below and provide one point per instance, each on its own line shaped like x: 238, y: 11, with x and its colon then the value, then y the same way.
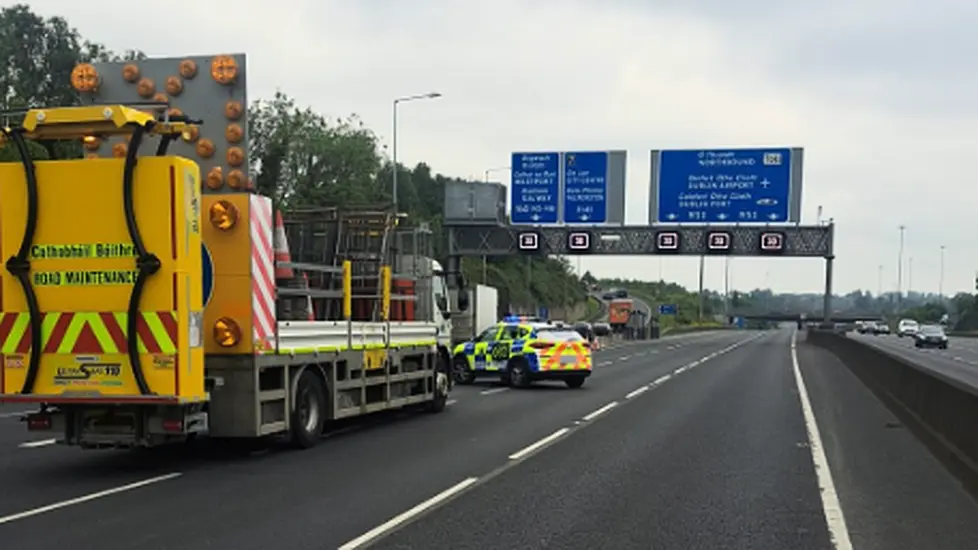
x: 262, y: 273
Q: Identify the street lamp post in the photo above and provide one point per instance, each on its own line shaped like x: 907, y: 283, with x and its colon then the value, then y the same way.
x: 397, y: 101
x: 900, y: 270
x: 940, y: 283
x: 497, y: 169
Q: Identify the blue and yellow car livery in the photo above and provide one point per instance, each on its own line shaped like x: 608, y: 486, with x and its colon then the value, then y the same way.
x: 521, y: 353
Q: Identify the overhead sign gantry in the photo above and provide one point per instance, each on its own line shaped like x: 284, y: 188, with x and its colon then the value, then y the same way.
x: 725, y: 202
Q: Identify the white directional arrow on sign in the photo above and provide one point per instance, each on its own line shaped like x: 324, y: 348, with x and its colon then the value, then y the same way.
x: 584, y: 217
x: 671, y: 216
x: 536, y: 217
x: 772, y: 217
x: 721, y: 216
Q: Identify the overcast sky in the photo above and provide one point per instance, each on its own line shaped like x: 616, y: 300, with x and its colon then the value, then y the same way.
x: 880, y: 93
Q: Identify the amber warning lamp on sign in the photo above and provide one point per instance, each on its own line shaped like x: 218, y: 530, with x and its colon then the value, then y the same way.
x: 772, y: 243
x: 667, y: 242
x: 718, y: 242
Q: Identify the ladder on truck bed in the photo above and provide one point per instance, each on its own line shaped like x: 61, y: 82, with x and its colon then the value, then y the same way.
x: 320, y: 241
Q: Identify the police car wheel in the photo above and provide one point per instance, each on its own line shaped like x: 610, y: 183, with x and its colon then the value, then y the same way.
x: 461, y: 371
x: 575, y: 382
x: 519, y: 375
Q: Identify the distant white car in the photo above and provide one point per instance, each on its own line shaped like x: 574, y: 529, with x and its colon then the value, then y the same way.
x: 908, y: 327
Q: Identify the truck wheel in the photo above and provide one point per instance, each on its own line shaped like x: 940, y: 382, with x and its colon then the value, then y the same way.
x: 461, y: 371
x: 309, y: 417
x: 575, y: 382
x: 519, y: 373
x: 437, y: 404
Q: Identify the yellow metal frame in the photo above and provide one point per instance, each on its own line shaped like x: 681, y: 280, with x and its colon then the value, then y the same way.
x: 97, y: 120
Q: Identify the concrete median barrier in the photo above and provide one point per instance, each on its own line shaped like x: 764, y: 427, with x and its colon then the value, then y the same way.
x: 942, y: 410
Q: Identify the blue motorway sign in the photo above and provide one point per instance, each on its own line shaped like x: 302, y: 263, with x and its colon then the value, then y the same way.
x: 725, y: 186
x: 668, y: 309
x: 543, y: 312
x: 535, y: 188
x: 586, y: 187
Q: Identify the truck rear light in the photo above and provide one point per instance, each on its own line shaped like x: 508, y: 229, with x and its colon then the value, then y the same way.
x: 541, y: 345
x: 175, y: 426
x: 38, y: 422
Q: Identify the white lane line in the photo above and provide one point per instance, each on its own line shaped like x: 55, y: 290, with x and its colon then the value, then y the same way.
x: 653, y: 352
x: 14, y: 414
x: 451, y: 402
x: 625, y: 358
x: 591, y: 416
x: 834, y: 517
x: 407, y: 516
x: 661, y: 380
x: 539, y: 444
x: 604, y: 363
x: 87, y: 498
x: 38, y: 443
x: 635, y: 393
x: 492, y: 391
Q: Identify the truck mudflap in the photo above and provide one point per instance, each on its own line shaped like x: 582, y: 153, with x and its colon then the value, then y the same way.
x: 119, y: 274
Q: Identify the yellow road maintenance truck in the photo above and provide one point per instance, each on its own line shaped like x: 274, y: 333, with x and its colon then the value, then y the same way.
x: 149, y: 294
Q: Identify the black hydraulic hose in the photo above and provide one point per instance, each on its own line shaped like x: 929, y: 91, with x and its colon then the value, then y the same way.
x: 165, y: 142
x: 20, y: 265
x: 147, y: 263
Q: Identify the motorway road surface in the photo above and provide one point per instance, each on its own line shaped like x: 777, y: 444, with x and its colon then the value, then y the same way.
x: 696, y: 441
x: 958, y: 361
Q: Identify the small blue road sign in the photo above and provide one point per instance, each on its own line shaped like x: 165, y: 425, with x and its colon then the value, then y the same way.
x: 726, y: 186
x: 535, y: 188
x: 668, y: 309
x: 586, y: 187
x: 207, y: 265
x: 543, y: 313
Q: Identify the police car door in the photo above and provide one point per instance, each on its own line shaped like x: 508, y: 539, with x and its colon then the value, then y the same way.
x: 482, y: 345
x: 502, y: 348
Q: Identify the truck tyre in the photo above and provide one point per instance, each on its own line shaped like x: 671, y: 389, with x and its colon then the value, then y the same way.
x: 437, y: 404
x: 308, y: 418
x: 575, y: 382
x: 518, y: 372
x: 461, y: 372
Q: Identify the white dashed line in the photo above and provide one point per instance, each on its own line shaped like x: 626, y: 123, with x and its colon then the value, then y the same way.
x: 15, y: 414
x: 451, y: 402
x: 625, y: 358
x: 636, y: 393
x: 604, y: 363
x: 407, y: 516
x: 834, y: 517
x: 87, y: 498
x: 539, y: 444
x: 493, y: 391
x: 661, y: 380
x: 38, y: 443
x: 599, y: 412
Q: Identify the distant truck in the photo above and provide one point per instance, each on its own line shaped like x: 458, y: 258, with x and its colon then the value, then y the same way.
x: 620, y: 311
x: 483, y: 312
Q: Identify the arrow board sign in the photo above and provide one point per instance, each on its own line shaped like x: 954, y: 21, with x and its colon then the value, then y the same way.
x: 718, y: 242
x: 667, y: 242
x: 772, y: 243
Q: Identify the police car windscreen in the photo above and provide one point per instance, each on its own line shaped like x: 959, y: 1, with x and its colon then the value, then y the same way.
x: 563, y: 335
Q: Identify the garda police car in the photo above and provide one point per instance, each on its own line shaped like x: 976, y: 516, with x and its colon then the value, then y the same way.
x: 521, y: 351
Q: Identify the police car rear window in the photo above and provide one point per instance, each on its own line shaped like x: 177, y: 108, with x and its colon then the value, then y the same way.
x: 559, y: 335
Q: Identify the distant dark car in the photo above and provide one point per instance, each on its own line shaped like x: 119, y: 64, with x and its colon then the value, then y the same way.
x: 621, y: 293
x: 608, y: 296
x: 930, y: 336
x: 601, y: 329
